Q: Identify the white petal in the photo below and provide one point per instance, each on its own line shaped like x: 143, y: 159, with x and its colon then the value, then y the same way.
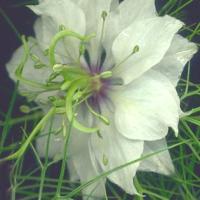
x: 84, y: 165
x: 180, y: 52
x: 93, y: 11
x: 123, y: 16
x: 56, y: 143
x: 72, y: 171
x: 146, y: 107
x: 113, y: 150
x: 80, y: 157
x: 63, y: 12
x: 159, y: 163
x: 153, y: 36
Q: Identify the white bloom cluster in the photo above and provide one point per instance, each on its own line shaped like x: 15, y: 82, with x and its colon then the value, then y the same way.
x: 136, y: 58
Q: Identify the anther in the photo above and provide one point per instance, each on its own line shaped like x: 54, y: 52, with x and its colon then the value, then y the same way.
x: 58, y: 67
x: 106, y: 74
x: 65, y: 85
x: 104, y: 14
x: 25, y: 109
x: 105, y: 160
x: 62, y: 27
x: 136, y: 49
x: 34, y: 58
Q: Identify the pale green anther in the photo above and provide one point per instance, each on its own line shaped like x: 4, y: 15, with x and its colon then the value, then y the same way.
x: 105, y: 160
x: 136, y: 49
x: 77, y: 95
x: 101, y: 117
x: 35, y: 58
x: 39, y: 65
x: 58, y: 67
x: 62, y: 27
x: 25, y: 109
x: 99, y: 135
x: 104, y: 14
x: 106, y: 74
x: 65, y: 85
x: 52, y: 76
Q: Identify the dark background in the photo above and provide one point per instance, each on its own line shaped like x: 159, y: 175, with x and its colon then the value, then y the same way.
x: 23, y: 20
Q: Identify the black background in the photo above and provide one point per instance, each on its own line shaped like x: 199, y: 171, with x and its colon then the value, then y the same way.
x: 23, y: 20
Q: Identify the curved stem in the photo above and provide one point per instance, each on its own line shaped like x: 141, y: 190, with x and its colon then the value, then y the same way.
x: 69, y: 108
x: 61, y: 35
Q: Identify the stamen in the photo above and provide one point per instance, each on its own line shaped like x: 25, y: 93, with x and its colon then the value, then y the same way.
x: 62, y: 27
x: 101, y: 117
x: 106, y: 74
x: 99, y: 135
x: 34, y: 58
x: 135, y: 50
x: 105, y: 160
x: 104, y: 15
x: 58, y: 67
x: 65, y: 85
x: 26, y: 109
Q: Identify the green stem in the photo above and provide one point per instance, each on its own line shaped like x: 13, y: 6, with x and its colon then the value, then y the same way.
x: 64, y: 161
x: 69, y: 106
x: 6, y: 127
x: 44, y: 168
x: 38, y: 127
x: 61, y: 35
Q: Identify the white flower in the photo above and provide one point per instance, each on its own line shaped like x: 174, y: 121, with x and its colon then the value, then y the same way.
x: 146, y: 57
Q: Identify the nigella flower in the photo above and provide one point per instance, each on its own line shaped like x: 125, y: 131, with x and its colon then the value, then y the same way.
x: 120, y: 83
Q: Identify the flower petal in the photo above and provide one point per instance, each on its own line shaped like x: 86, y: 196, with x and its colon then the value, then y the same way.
x: 146, y: 107
x: 113, y: 150
x: 93, y: 11
x: 121, y: 17
x: 159, y: 163
x: 180, y: 52
x: 85, y: 166
x: 72, y: 171
x: 63, y: 12
x: 153, y: 36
